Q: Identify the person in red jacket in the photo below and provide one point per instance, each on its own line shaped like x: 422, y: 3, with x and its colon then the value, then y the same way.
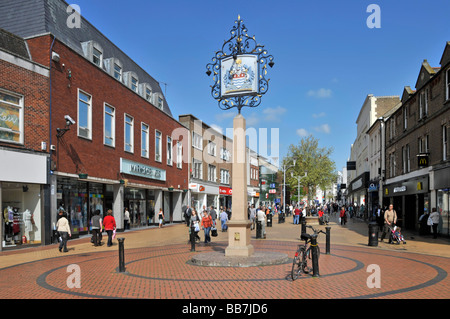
x: 206, y: 223
x: 110, y: 226
x: 343, y: 216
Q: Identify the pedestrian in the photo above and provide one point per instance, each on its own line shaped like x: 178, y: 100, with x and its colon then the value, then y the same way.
x: 63, y: 228
x: 160, y: 217
x: 252, y: 216
x: 126, y: 219
x: 206, y: 224
x: 187, y: 215
x: 213, y: 215
x: 261, y: 217
x: 224, y: 220
x: 110, y: 226
x: 96, y: 222
x: 434, y: 216
x: 343, y: 216
x: 390, y: 219
x: 194, y: 221
x: 296, y: 215
x: 424, y: 228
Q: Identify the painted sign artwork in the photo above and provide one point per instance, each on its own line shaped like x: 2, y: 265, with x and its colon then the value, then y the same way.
x: 239, y: 75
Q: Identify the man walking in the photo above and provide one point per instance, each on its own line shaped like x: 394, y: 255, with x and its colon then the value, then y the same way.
x: 261, y: 217
x: 390, y: 219
x: 187, y: 215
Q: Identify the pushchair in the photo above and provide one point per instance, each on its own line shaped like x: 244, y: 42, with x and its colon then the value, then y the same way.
x: 397, y: 235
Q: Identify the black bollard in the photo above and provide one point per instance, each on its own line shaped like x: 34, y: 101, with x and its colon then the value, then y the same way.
x: 373, y: 234
x: 303, y: 227
x: 192, y: 238
x: 258, y: 229
x: 315, y: 255
x: 328, y: 239
x: 121, y: 255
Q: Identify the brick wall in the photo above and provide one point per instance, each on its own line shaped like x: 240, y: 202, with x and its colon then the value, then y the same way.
x: 34, y: 88
x: 79, y: 155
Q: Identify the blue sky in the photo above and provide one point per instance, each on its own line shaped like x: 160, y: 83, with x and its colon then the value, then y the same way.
x: 326, y: 57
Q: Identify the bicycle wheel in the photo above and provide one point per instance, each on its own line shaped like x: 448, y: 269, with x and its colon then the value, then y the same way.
x: 304, y: 260
x: 296, y: 265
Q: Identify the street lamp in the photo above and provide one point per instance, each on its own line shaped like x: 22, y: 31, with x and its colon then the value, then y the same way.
x: 298, y: 178
x: 285, y: 168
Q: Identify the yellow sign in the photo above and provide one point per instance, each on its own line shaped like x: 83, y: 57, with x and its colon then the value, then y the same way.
x: 386, y: 191
x: 237, y: 236
x: 419, y: 186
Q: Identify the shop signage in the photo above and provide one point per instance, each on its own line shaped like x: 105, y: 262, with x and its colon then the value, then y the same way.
x: 225, y: 190
x: 422, y: 160
x: 272, y: 191
x: 400, y: 189
x: 357, y: 184
x: 373, y: 187
x: 141, y: 170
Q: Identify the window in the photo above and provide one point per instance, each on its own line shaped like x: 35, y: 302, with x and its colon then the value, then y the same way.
x: 211, y: 173
x: 134, y: 84
x: 212, y: 148
x: 109, y: 129
x: 129, y: 138
x: 169, y: 151
x: 392, y: 165
x: 406, y: 164
x: 224, y: 176
x: 179, y: 155
x: 11, y: 117
x: 444, y: 142
x: 84, y: 115
x: 197, y: 169
x: 447, y: 84
x: 196, y: 140
x: 158, y: 146
x: 148, y: 94
x: 160, y: 102
x: 423, y: 104
x: 144, y: 140
x: 117, y: 72
x: 405, y: 118
x: 97, y: 57
x: 423, y: 144
x: 224, y: 154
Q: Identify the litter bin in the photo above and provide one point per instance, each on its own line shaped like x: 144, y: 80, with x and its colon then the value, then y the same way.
x: 373, y: 234
x: 258, y: 229
x: 269, y: 220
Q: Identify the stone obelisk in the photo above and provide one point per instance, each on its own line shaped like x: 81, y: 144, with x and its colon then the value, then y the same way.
x: 239, y: 225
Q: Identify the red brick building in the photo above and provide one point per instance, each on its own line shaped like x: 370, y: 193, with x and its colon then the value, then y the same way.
x: 114, y: 142
x: 24, y: 134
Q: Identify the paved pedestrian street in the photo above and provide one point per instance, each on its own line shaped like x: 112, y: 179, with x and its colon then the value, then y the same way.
x: 158, y: 266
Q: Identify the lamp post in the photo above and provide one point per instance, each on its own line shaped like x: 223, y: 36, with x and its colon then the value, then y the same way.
x: 298, y: 178
x: 285, y: 168
x: 239, y: 72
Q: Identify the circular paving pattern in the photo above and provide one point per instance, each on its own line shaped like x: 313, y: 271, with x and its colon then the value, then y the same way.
x: 165, y: 272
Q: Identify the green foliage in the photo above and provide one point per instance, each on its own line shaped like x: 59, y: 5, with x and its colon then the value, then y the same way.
x: 315, y: 161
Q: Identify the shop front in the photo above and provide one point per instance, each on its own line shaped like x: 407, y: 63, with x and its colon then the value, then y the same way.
x: 410, y: 199
x: 22, y: 179
x: 442, y: 189
x: 358, y: 192
x: 225, y: 198
x: 203, y: 196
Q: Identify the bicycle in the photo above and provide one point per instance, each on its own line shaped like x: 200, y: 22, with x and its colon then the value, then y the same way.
x: 303, y: 254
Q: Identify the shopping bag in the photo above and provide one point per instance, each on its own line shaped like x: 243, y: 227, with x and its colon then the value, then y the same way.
x: 114, y: 234
x: 214, y: 232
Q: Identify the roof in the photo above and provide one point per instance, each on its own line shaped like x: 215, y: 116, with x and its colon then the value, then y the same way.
x: 32, y: 18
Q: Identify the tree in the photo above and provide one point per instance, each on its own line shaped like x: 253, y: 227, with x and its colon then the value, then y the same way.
x: 315, y: 161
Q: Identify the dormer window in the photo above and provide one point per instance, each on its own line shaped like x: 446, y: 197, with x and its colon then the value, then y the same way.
x: 160, y: 102
x: 134, y: 84
x: 117, y: 72
x: 97, y: 57
x: 148, y: 94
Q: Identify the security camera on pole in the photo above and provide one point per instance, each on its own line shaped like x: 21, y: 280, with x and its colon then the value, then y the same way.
x: 239, y: 72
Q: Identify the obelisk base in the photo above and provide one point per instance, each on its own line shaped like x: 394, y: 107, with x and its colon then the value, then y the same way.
x: 239, y: 239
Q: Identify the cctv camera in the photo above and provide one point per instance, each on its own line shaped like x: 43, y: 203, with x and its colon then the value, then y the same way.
x: 69, y: 120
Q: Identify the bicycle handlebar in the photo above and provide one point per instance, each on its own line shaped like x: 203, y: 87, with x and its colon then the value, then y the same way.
x: 316, y: 231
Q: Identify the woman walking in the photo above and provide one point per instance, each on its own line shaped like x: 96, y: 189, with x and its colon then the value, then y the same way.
x: 206, y: 223
x: 110, y: 226
x: 63, y: 228
x: 160, y: 217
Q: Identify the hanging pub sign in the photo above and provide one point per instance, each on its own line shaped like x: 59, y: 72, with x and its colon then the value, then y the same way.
x: 239, y: 75
x: 422, y: 160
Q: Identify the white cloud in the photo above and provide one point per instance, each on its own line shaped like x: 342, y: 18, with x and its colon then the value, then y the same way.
x: 273, y: 114
x: 324, y: 128
x: 252, y: 119
x: 320, y: 93
x: 317, y: 115
x: 302, y: 132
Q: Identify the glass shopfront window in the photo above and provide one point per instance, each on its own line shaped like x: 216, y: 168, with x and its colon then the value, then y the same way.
x: 135, y: 201
x: 72, y: 198
x: 21, y: 209
x: 443, y: 204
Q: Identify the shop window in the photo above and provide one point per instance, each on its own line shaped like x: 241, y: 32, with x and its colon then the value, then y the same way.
x: 11, y: 117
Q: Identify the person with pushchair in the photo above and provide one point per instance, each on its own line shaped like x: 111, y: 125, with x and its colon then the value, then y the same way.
x: 390, y: 219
